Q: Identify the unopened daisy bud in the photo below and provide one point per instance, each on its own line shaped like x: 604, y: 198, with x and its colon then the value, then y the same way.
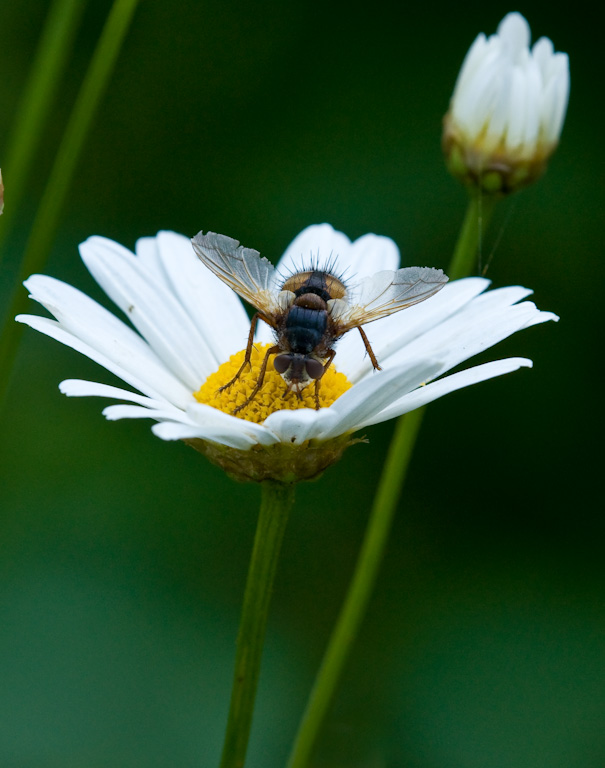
x: 507, y: 110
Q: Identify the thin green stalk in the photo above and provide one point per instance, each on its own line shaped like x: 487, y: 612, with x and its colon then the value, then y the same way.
x: 381, y: 517
x: 38, y: 96
x: 478, y: 215
x: 358, y: 595
x: 48, y: 214
x: 276, y: 502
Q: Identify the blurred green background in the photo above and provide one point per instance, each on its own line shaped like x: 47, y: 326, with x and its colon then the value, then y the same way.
x: 123, y: 558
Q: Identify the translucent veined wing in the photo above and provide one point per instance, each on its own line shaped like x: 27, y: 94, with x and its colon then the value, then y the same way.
x: 242, y: 269
x: 385, y: 293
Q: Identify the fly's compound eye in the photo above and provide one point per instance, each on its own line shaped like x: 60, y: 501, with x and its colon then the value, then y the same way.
x: 282, y: 362
x: 314, y: 368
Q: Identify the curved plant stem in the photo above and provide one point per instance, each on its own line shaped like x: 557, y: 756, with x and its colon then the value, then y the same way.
x: 47, y: 216
x: 276, y: 502
x: 476, y: 220
x: 360, y: 589
x: 381, y: 517
x: 38, y: 95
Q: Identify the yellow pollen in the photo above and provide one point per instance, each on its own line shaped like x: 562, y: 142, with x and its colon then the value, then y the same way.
x: 273, y: 395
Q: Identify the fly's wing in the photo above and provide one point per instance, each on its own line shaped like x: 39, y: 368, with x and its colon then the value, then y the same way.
x: 242, y: 269
x: 387, y: 292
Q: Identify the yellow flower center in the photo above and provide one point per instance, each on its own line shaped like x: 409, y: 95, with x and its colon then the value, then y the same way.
x: 273, y: 395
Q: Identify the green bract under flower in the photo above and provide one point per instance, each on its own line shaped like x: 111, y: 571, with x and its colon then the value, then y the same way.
x: 279, y: 462
x: 183, y: 323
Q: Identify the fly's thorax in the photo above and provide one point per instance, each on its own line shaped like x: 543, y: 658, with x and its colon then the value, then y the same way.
x: 323, y: 284
x: 312, y: 301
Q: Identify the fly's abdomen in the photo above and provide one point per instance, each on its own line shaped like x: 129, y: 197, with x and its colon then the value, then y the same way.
x: 305, y: 328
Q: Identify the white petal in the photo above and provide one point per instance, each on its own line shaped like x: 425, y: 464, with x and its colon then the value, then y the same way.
x: 542, y: 53
x: 361, y: 403
x: 154, y: 381
x: 318, y: 243
x: 167, y: 430
x: 394, y: 333
x: 215, y: 309
x: 424, y: 395
x: 533, y: 110
x: 214, y: 420
x: 82, y: 388
x: 474, y: 103
x: 116, y: 412
x: 514, y: 33
x: 477, y: 327
x: 516, y: 109
x: 89, y: 321
x: 148, y: 254
x: 146, y: 408
x: 370, y: 254
x: 298, y: 426
x: 473, y: 61
x: 170, y: 430
x: 152, y: 309
x: 502, y: 297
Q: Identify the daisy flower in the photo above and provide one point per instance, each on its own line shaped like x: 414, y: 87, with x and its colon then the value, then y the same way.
x: 185, y: 335
x: 508, y: 108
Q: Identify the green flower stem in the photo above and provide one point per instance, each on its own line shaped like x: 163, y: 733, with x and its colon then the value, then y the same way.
x: 39, y: 93
x: 358, y: 595
x: 48, y: 214
x: 478, y: 215
x: 393, y: 476
x: 276, y: 502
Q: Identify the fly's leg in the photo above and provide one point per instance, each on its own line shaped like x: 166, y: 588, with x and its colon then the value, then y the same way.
x: 369, y: 349
x: 247, y: 356
x: 331, y: 354
x: 261, y: 377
